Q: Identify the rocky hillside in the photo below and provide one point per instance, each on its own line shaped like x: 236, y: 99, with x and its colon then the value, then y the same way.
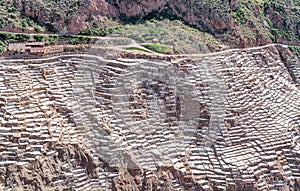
x: 235, y: 22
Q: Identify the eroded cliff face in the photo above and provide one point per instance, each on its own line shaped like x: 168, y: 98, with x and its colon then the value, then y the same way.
x: 219, y: 121
x: 201, y: 14
x: 77, y: 14
x: 62, y: 16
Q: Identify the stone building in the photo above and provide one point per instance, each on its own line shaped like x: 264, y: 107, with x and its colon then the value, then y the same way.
x: 29, y: 47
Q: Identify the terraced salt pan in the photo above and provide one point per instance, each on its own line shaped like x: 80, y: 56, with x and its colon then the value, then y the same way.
x: 225, y: 118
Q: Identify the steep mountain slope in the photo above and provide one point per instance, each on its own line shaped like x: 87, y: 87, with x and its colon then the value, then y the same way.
x: 126, y: 121
x: 236, y: 22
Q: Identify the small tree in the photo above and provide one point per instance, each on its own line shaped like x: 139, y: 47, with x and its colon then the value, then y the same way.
x: 38, y: 37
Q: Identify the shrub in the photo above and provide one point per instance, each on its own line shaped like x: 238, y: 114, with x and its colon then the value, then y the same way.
x: 240, y: 15
x: 85, y: 39
x: 80, y: 39
x: 92, y: 31
x: 22, y: 37
x: 53, y: 36
x: 24, y: 24
x: 5, y: 35
x: 72, y: 41
x: 2, y: 21
x: 101, y: 32
x: 157, y: 48
x: 38, y: 37
x: 286, y: 35
x: 295, y: 50
x: 10, y: 37
x: 2, y: 46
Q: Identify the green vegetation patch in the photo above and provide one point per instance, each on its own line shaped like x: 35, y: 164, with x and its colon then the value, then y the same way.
x: 240, y: 14
x: 95, y: 31
x: 267, y: 19
x: 12, y: 38
x: 137, y: 49
x: 295, y: 50
x: 78, y: 39
x: 183, y: 38
x: 38, y: 37
x: 159, y: 48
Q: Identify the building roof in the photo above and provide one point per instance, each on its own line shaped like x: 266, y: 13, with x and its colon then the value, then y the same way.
x: 35, y: 44
x: 14, y: 46
x: 33, y: 47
